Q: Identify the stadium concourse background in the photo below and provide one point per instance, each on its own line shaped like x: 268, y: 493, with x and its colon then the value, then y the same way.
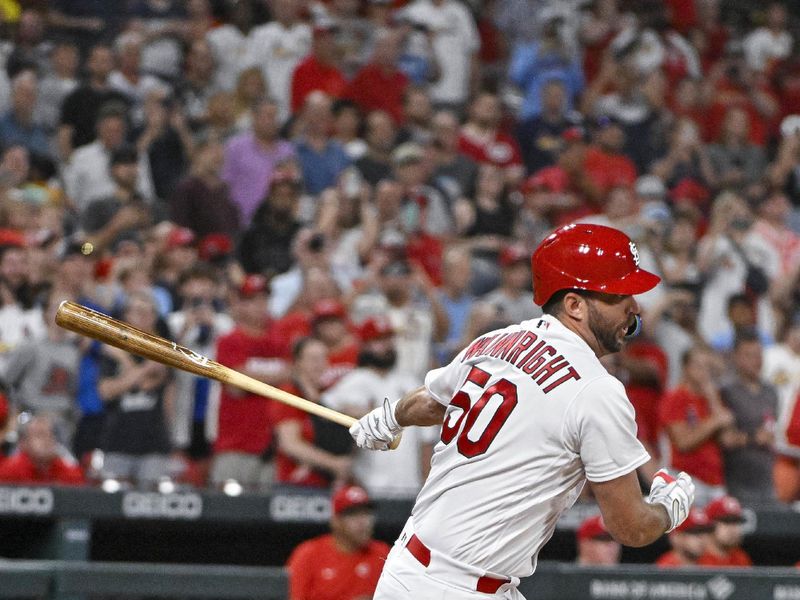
x: 70, y: 544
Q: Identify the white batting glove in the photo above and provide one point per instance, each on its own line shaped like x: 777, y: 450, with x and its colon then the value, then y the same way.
x: 378, y: 428
x: 676, y: 494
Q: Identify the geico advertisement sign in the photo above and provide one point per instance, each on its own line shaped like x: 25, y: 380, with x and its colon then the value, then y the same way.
x: 152, y: 505
x: 26, y: 501
x: 300, y: 508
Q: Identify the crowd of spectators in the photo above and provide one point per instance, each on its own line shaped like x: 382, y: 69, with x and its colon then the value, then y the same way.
x: 334, y: 196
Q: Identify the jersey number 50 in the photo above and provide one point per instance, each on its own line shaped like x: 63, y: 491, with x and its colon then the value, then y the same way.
x: 463, y: 425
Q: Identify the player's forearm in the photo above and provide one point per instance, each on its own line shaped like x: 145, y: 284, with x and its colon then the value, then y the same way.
x: 419, y: 408
x: 628, y: 517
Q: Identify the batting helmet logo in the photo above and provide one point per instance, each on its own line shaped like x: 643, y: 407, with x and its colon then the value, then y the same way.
x: 634, y: 253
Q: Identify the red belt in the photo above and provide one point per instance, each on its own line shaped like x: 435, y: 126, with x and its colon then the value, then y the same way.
x: 485, y: 584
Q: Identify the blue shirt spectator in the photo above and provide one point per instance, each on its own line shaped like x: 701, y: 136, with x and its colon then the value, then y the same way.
x: 535, y: 63
x: 322, y: 167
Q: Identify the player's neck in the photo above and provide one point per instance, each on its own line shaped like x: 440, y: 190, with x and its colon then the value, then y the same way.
x: 582, y: 332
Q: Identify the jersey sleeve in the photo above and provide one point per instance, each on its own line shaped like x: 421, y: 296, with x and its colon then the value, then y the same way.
x: 443, y: 382
x: 601, y: 428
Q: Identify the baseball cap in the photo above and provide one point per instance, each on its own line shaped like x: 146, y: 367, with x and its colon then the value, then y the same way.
x: 375, y: 328
x: 328, y: 309
x: 349, y: 497
x: 180, y: 237
x: 513, y: 254
x: 576, y: 133
x: 253, y: 284
x: 696, y: 522
x: 214, y: 246
x: 324, y: 25
x: 11, y: 238
x: 689, y: 189
x: 593, y: 528
x: 407, y: 153
x: 650, y: 186
x: 726, y: 509
x: 549, y: 179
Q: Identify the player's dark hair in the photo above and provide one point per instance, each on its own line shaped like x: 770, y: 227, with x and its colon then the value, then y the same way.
x: 555, y: 304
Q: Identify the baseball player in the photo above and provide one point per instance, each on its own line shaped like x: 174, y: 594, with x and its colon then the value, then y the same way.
x: 527, y: 415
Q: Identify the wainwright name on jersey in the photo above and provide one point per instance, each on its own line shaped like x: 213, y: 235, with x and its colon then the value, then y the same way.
x: 531, y: 414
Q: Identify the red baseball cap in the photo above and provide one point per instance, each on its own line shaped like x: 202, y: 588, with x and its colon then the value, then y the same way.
x: 329, y: 308
x: 12, y: 237
x: 696, y: 522
x: 375, y: 328
x: 549, y: 179
x: 214, y: 246
x: 689, y: 189
x: 253, y: 284
x: 593, y: 528
x: 350, y: 497
x: 726, y: 509
x: 180, y: 237
x: 513, y: 254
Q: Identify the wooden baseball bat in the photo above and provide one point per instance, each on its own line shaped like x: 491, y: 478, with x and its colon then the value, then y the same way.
x: 113, y: 332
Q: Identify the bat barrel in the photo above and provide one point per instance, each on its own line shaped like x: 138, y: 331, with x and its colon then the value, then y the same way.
x: 85, y: 321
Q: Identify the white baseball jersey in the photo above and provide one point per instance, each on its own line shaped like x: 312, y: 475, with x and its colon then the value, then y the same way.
x: 531, y: 414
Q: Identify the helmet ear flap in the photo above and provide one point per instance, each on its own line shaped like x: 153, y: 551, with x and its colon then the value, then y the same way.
x: 635, y: 328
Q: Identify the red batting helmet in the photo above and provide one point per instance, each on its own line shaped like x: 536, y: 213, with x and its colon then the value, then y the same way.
x: 584, y: 256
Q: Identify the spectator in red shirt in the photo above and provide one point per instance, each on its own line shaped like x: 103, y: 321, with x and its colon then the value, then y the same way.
x: 330, y: 325
x: 380, y: 85
x: 596, y: 547
x: 299, y: 460
x: 604, y: 162
x: 688, y: 541
x: 482, y: 140
x: 723, y: 549
x: 320, y: 69
x: 694, y: 417
x: 37, y: 459
x: 344, y: 564
x: 244, y: 431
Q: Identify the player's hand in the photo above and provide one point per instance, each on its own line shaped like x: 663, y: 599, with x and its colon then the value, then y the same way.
x: 676, y: 494
x: 377, y: 429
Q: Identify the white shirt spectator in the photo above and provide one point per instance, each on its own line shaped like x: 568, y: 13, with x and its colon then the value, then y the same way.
x: 52, y: 92
x: 384, y: 474
x: 183, y: 406
x: 87, y: 177
x: 413, y: 327
x: 726, y: 278
x: 763, y: 46
x: 18, y: 325
x: 277, y: 50
x: 229, y: 46
x: 137, y: 91
x: 455, y: 43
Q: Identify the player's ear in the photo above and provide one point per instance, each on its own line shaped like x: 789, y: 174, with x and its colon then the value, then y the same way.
x: 574, y: 305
